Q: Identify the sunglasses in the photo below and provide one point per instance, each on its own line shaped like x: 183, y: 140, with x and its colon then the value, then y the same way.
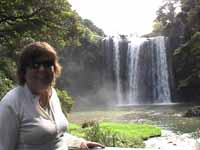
x: 47, y: 64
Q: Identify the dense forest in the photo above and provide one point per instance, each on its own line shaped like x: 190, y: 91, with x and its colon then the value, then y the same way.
x: 179, y: 21
x: 77, y: 41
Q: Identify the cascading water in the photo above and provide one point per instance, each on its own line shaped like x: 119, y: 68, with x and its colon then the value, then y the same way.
x: 140, y: 70
x: 117, y: 70
x: 132, y: 63
x: 160, y: 69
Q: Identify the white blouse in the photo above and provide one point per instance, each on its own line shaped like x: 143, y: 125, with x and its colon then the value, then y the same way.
x: 25, y: 126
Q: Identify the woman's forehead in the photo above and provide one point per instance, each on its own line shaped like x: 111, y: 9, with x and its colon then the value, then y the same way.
x: 42, y: 59
x: 43, y: 56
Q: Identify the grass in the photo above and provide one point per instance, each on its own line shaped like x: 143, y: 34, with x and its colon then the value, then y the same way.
x: 76, y: 129
x: 117, y: 134
x: 143, y: 131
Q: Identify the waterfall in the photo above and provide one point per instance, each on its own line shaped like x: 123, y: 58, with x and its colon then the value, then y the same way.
x: 117, y: 70
x: 132, y: 63
x: 160, y: 70
x: 140, y: 70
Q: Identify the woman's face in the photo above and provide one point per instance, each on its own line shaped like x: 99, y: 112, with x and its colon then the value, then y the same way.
x: 40, y: 75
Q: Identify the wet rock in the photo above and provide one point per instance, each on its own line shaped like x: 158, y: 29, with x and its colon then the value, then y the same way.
x: 193, y: 112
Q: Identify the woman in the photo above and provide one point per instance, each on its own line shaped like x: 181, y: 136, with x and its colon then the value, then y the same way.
x: 30, y: 114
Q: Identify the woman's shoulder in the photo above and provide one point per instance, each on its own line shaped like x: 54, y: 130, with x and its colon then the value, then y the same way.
x: 54, y: 92
x: 12, y: 96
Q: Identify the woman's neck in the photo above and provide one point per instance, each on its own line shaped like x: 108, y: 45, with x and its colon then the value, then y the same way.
x: 44, y: 94
x: 45, y: 97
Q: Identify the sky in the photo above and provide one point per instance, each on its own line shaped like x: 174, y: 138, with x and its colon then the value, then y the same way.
x: 119, y: 16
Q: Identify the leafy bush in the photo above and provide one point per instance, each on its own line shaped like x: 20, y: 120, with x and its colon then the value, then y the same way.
x: 116, y: 134
x: 89, y: 124
x: 111, y: 138
x: 66, y: 100
x: 8, y: 68
x: 5, y: 85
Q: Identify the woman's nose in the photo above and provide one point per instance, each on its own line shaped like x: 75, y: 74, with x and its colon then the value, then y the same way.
x: 41, y: 68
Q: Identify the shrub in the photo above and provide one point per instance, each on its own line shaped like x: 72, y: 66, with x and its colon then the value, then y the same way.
x: 5, y: 84
x: 116, y: 134
x: 89, y: 124
x: 66, y: 100
x: 8, y: 68
x: 111, y: 138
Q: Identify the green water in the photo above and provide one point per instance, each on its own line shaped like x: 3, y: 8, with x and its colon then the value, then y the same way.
x: 165, y: 116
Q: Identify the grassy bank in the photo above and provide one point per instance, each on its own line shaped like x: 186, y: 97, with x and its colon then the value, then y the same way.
x: 116, y: 134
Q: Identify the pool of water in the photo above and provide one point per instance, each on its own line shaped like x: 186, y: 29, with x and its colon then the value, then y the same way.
x: 166, y: 116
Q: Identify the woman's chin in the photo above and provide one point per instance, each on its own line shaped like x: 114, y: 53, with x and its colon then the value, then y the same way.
x: 38, y: 89
x: 44, y: 87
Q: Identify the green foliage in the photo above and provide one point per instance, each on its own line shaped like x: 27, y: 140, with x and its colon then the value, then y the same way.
x: 187, y: 18
x: 88, y: 124
x: 187, y: 63
x: 166, y: 16
x: 112, y: 138
x: 143, y: 131
x: 44, y: 20
x: 117, y: 134
x: 190, y: 11
x: 66, y: 100
x: 76, y: 130
x: 90, y: 25
x: 8, y: 67
x: 5, y: 85
x: 158, y: 27
x: 73, y: 126
x: 7, y: 75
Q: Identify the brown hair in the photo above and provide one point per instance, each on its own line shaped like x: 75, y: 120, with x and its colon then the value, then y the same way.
x: 32, y: 52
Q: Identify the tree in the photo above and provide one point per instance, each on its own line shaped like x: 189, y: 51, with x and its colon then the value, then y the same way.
x: 169, y: 23
x: 88, y: 23
x: 191, y: 12
x: 187, y: 65
x: 45, y: 20
x: 166, y: 15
